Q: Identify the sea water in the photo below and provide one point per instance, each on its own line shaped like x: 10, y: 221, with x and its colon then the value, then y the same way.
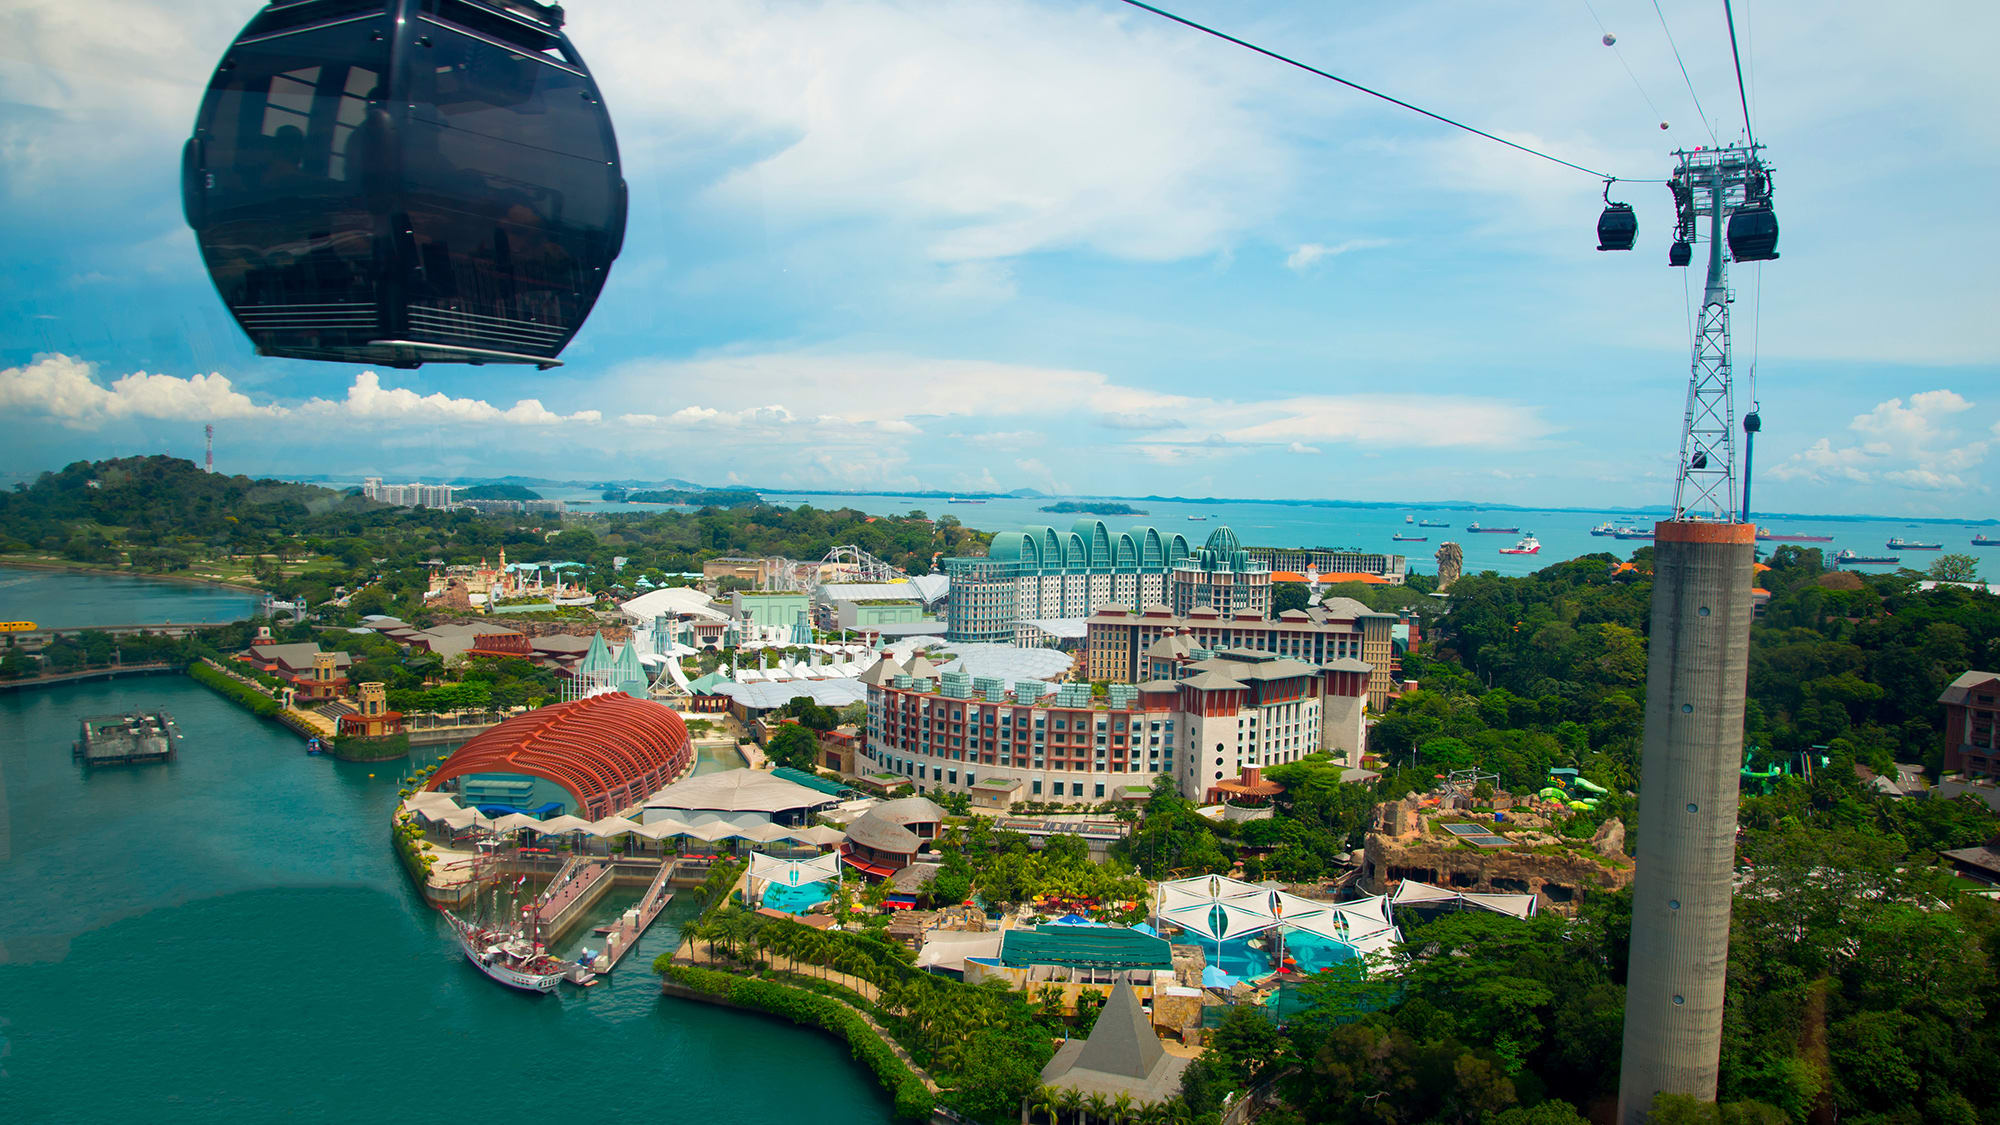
x: 230, y: 938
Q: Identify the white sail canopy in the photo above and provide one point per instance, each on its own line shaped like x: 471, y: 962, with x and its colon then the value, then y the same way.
x: 794, y: 872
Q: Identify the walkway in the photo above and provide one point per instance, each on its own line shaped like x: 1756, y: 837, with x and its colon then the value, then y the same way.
x: 578, y: 879
x: 87, y: 674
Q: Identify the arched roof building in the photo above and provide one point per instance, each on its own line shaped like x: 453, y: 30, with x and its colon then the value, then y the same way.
x: 606, y: 752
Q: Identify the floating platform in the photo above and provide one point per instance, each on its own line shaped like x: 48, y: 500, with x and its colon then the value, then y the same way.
x: 132, y: 738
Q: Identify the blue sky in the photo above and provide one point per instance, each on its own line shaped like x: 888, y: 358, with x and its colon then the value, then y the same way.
x: 996, y: 243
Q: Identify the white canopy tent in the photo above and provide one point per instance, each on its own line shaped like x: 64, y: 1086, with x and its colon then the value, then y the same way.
x: 561, y: 825
x: 1217, y: 908
x: 1412, y: 893
x: 769, y: 869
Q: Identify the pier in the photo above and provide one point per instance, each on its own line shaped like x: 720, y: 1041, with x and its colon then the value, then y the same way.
x: 632, y: 924
x: 110, y: 673
x: 578, y: 886
x: 129, y: 739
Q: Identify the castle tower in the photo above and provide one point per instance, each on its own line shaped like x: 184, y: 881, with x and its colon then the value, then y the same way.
x: 374, y: 699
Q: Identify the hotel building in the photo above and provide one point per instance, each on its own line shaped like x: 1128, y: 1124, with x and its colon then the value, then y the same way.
x: 1127, y: 646
x: 1222, y: 714
x: 1045, y: 574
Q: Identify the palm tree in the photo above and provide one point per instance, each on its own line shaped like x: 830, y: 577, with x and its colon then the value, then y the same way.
x: 1121, y: 1107
x: 1070, y: 1102
x: 1048, y: 1100
x: 1099, y: 1108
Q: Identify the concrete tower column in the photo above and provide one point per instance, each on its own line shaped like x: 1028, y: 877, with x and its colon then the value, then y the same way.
x: 1696, y: 672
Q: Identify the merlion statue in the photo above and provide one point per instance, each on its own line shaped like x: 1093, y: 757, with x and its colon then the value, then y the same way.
x: 1451, y: 564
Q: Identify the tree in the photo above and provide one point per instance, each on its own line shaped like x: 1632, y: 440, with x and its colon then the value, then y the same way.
x: 793, y: 745
x: 1954, y: 568
x: 1288, y: 596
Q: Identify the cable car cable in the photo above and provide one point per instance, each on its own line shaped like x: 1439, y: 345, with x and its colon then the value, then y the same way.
x: 1288, y: 61
x: 1748, y: 133
x: 1699, y: 112
x: 1611, y: 41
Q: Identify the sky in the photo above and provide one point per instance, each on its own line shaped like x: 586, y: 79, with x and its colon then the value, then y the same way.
x: 994, y: 244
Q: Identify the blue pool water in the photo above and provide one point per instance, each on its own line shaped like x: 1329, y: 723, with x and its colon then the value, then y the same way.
x: 796, y: 900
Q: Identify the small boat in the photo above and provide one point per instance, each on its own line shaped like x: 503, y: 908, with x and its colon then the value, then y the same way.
x: 1433, y: 523
x: 1410, y: 538
x: 961, y: 500
x: 1603, y: 529
x: 1898, y: 543
x: 1632, y: 533
x: 1409, y: 519
x: 1983, y: 541
x: 1527, y: 546
x: 1852, y: 559
x: 1197, y: 519
x: 1477, y: 530
x: 317, y: 747
x: 1766, y: 535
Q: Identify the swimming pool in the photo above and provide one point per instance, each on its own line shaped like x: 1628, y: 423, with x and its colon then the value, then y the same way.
x: 796, y: 900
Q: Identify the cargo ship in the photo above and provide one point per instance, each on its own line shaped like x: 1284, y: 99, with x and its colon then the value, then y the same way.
x: 1845, y: 556
x: 1411, y: 538
x: 1632, y: 533
x: 1766, y: 535
x: 1527, y: 546
x: 1478, y: 530
x: 1983, y: 541
x: 1896, y: 543
x: 1433, y: 523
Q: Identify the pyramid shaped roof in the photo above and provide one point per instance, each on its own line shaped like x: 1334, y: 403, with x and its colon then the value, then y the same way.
x: 1121, y: 1042
x: 598, y: 658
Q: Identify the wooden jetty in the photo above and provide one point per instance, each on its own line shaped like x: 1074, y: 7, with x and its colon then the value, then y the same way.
x: 127, y: 739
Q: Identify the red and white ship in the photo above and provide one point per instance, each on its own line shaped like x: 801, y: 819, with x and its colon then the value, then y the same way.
x: 1527, y: 546
x: 508, y: 956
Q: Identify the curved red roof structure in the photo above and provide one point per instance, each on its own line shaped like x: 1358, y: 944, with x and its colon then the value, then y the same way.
x: 608, y: 751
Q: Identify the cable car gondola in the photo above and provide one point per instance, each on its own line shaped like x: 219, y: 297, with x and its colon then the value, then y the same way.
x: 1753, y: 232
x: 399, y: 182
x: 1618, y: 226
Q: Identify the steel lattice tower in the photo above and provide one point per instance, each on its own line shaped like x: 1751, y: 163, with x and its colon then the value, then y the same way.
x: 1710, y: 183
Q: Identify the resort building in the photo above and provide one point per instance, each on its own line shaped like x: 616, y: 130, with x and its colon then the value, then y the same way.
x: 1044, y: 573
x: 371, y: 717
x: 1128, y: 646
x: 953, y: 731
x: 1332, y: 563
x: 409, y: 495
x: 589, y: 758
x: 1120, y: 1057
x: 743, y: 797
x: 312, y: 675
x: 887, y: 838
x: 1220, y: 576
x: 1972, y: 724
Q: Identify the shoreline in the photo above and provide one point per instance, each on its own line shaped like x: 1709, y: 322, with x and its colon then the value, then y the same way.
x: 18, y: 563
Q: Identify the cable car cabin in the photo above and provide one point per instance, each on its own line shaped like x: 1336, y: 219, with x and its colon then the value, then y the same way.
x: 1617, y: 228
x: 1680, y: 253
x: 401, y: 182
x: 1753, y: 233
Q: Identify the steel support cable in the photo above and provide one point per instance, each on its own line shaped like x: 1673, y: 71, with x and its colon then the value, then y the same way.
x: 1749, y: 134
x: 1611, y: 41
x: 1675, y: 47
x: 1356, y: 86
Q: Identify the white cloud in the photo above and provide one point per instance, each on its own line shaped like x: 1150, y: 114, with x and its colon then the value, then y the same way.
x: 1910, y: 445
x: 1311, y: 253
x: 368, y: 400
x: 1302, y: 447
x: 66, y: 388
x: 987, y: 129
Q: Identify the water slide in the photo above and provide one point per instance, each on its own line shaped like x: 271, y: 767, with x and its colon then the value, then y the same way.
x: 674, y: 670
x: 1582, y: 782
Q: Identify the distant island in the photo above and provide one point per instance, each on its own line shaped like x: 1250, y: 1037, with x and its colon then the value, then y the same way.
x: 1094, y: 508
x: 699, y: 497
x: 498, y: 492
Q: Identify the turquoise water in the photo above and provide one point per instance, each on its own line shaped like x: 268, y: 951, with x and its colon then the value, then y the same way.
x: 228, y: 938
x: 796, y: 900
x: 60, y: 599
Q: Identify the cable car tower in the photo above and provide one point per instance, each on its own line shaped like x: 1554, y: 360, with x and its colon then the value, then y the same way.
x: 1710, y: 183
x: 1697, y: 670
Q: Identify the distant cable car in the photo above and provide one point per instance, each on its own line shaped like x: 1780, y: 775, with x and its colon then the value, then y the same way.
x: 1680, y: 253
x: 1617, y: 228
x: 1753, y: 232
x: 400, y: 182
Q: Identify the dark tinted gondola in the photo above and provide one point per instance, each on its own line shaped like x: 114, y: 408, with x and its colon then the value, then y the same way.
x: 401, y: 182
x: 1753, y: 232
x: 1680, y: 254
x: 1617, y: 227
